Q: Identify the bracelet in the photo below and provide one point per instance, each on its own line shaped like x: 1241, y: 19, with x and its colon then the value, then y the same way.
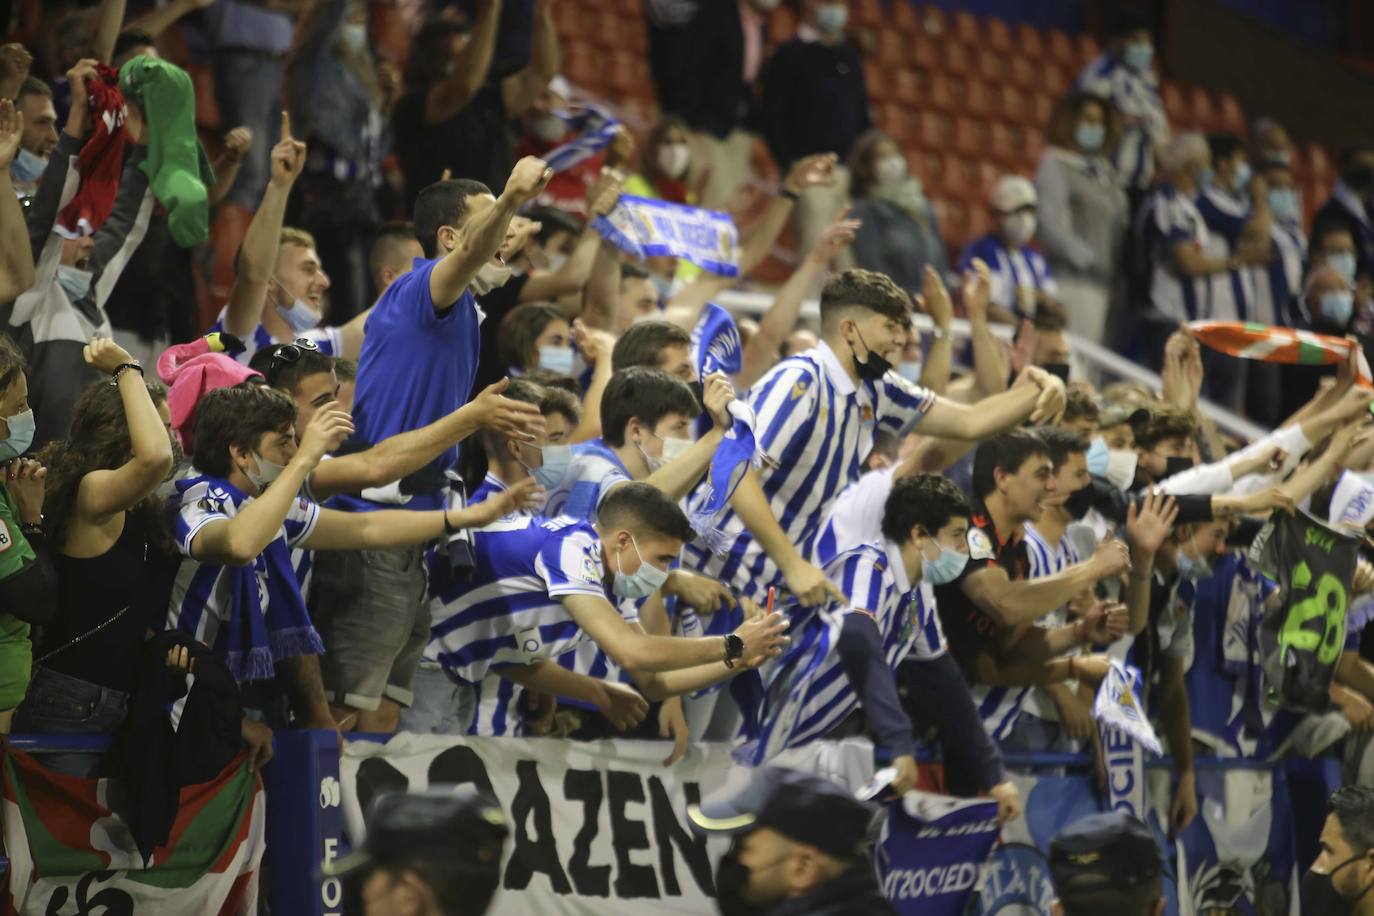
x: 789, y: 194
x: 31, y: 527
x: 121, y: 369
x: 939, y: 333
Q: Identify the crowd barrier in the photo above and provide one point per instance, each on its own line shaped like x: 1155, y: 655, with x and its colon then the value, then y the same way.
x: 597, y: 827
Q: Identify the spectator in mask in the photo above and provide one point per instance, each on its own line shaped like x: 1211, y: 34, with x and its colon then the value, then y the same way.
x: 1021, y: 282
x: 800, y: 845
x: 1343, y: 874
x: 665, y: 170
x: 1334, y: 245
x: 898, y: 232
x: 340, y: 98
x: 1049, y: 344
x: 1269, y: 142
x: 545, y: 130
x: 815, y: 100
x: 638, y: 297
x: 705, y: 59
x: 40, y: 134
x: 1278, y: 282
x: 1124, y: 73
x: 537, y: 337
x: 1083, y: 213
x: 1352, y: 203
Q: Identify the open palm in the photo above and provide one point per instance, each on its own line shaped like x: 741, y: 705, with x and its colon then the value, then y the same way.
x: 11, y: 131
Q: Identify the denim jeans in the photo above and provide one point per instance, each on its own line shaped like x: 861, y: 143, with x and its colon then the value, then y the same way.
x: 59, y: 704
x: 248, y: 90
x: 442, y: 706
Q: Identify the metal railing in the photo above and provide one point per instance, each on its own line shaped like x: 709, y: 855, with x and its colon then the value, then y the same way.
x: 1089, y: 355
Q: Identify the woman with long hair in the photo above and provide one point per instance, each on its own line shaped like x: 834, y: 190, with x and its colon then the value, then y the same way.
x: 107, y: 531
x: 28, y: 585
x: 898, y: 233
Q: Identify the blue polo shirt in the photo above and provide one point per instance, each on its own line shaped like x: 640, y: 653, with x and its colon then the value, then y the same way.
x: 416, y: 366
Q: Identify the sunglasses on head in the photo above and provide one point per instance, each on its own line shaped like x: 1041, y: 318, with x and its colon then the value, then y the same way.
x: 290, y: 353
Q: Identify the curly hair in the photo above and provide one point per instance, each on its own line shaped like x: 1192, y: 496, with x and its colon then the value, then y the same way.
x: 99, y: 440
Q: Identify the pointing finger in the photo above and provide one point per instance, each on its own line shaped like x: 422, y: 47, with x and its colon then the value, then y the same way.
x: 285, y: 124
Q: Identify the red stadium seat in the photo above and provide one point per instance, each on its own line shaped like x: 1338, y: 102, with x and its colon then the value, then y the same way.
x: 934, y: 21
x: 1174, y: 107
x: 625, y: 73
x: 1230, y: 118
x: 580, y: 64
x: 987, y: 172
x: 1029, y: 40
x: 880, y: 88
x: 971, y: 136
x: 934, y: 130
x: 905, y: 18
x: 570, y: 22
x: 1061, y: 48
x: 1004, y: 142
x: 782, y: 25
x: 1025, y: 70
x: 959, y: 177
x: 1088, y: 48
x: 1032, y: 148
x: 1012, y: 104
x: 953, y: 218
x: 1042, y: 106
x: 868, y: 13
x: 1318, y: 162
x: 1054, y: 80
x: 967, y: 28
x: 979, y: 223
x: 1200, y: 107
x: 978, y: 99
x: 892, y: 48
x: 993, y: 66
x: 956, y: 58
x: 925, y: 52
x: 906, y: 86
x: 941, y: 93
x: 930, y: 168
x: 607, y: 30
x: 999, y: 35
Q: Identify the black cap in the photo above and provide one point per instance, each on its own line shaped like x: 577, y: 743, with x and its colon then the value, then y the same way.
x: 456, y: 827
x: 1116, y: 414
x: 800, y: 806
x: 1103, y: 852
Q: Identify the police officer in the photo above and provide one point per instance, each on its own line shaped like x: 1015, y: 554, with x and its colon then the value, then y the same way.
x: 1107, y: 863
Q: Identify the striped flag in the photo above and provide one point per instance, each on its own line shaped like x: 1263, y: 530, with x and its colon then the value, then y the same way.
x: 595, y: 130
x: 1274, y: 344
x: 68, y: 848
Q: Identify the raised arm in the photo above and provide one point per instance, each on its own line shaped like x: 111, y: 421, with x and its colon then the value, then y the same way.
x: 239, y: 540
x: 519, y: 91
x: 482, y: 237
x: 1037, y: 395
x: 111, y: 17
x: 402, y: 527
x: 469, y: 71
x: 405, y: 453
x: 16, y: 257
x: 258, y: 256
x: 934, y: 301
x: 596, y: 346
x: 1148, y: 523
x: 105, y: 493
x: 1012, y: 603
x: 236, y: 145
x: 761, y: 352
x: 159, y: 19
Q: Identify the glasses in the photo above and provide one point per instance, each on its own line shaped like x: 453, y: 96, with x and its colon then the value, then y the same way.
x: 290, y: 353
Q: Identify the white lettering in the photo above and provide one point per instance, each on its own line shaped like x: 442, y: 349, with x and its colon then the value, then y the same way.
x: 910, y: 884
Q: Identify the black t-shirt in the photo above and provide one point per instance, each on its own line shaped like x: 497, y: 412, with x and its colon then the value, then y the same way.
x: 968, y: 628
x: 497, y: 304
x: 473, y: 144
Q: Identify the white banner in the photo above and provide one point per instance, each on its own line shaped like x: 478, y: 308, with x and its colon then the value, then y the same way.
x: 597, y: 828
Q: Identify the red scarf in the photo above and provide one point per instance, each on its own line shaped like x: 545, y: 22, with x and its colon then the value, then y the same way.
x: 101, y: 159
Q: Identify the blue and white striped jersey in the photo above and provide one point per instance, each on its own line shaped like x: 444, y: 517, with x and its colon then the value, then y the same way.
x: 329, y: 340
x: 816, y: 427
x: 1136, y: 96
x: 806, y: 693
x: 492, y: 485
x: 1045, y: 559
x: 251, y: 616
x: 1233, y: 291
x: 1278, y: 283
x: 508, y: 611
x: 496, y: 708
x: 595, y: 469
x: 1017, y: 273
x: 1166, y: 219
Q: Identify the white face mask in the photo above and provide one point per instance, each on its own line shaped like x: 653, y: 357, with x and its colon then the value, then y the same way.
x: 265, y: 474
x: 354, y: 36
x: 673, y: 159
x: 890, y: 169
x: 1019, y: 228
x: 672, y: 448
x: 549, y: 128
x: 489, y: 277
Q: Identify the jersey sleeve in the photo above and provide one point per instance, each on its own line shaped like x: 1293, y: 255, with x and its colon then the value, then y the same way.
x: 860, y: 577
x: 414, y: 301
x: 15, y: 550
x: 570, y: 564
x: 785, y: 403
x: 198, y: 508
x: 901, y: 404
x: 300, y: 521
x: 857, y: 514
x: 1222, y: 214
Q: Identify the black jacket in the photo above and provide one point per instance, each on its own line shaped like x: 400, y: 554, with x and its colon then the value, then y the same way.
x: 697, y: 63
x: 854, y: 893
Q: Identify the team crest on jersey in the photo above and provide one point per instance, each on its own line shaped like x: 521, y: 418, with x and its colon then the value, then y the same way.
x: 979, y: 545
x: 866, y: 415
x: 798, y: 389
x: 591, y: 569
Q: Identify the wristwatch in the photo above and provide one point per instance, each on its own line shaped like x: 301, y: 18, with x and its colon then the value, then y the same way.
x: 734, y: 649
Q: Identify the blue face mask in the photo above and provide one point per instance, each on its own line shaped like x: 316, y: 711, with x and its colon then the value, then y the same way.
x: 1343, y: 263
x: 21, y: 435
x: 1338, y: 305
x: 1285, y: 204
x: 76, y: 283
x: 1139, y: 55
x: 27, y: 167
x: 910, y: 370
x: 945, y: 568
x: 641, y: 583
x: 557, y: 460
x: 1098, y: 454
x: 1089, y: 137
x: 1242, y: 179
x: 300, y: 316
x: 556, y: 359
x: 1191, y: 568
x: 832, y: 18
x: 1205, y: 178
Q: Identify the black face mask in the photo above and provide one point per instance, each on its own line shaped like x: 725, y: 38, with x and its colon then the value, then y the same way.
x: 731, y: 877
x: 699, y: 389
x: 1079, y: 502
x: 1360, y: 178
x: 1319, y: 896
x: 873, y: 368
x: 1058, y: 370
x: 1174, y: 466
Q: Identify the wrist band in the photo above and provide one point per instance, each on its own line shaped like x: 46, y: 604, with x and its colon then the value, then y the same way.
x: 120, y: 370
x: 789, y: 194
x: 449, y: 530
x: 939, y: 333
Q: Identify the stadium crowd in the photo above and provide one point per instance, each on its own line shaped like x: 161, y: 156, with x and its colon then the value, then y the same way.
x: 449, y: 459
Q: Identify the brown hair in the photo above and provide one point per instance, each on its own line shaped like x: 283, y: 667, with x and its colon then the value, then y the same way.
x: 238, y: 416
x: 648, y: 159
x: 520, y: 329
x: 557, y: 401
x: 643, y: 341
x: 861, y: 159
x: 99, y: 440
x: 867, y: 289
x: 1165, y: 423
x: 1064, y: 117
x: 1080, y: 405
